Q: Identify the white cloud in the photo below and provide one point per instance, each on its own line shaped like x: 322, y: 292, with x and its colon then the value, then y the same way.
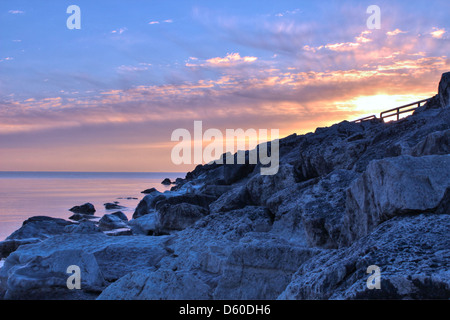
x: 438, y: 33
x: 16, y: 12
x: 153, y: 22
x: 231, y: 59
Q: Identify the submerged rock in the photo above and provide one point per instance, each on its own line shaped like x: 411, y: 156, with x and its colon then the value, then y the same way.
x: 113, y: 206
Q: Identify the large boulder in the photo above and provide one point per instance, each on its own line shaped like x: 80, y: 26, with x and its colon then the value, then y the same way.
x: 396, y: 186
x: 115, y: 257
x: 45, y: 276
x: 412, y: 253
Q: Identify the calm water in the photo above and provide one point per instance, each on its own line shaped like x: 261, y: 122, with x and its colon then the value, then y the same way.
x: 27, y: 194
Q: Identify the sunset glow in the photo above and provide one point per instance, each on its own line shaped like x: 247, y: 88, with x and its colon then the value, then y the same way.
x: 107, y: 97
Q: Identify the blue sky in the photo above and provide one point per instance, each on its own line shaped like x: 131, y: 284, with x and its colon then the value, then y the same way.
x: 107, y: 97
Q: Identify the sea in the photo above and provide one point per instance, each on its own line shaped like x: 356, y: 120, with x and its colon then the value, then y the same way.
x: 27, y: 194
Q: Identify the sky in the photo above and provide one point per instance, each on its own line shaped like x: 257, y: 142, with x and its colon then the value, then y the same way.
x: 108, y: 96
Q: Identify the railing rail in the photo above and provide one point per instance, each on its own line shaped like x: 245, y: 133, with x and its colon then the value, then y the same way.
x: 395, y: 112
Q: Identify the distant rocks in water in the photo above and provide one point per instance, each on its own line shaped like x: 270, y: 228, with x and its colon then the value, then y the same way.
x: 166, y: 182
x: 87, y: 208
x: 113, y: 206
x: 129, y: 198
x: 148, y: 191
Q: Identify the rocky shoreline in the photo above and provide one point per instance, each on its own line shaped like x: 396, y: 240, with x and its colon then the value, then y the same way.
x: 345, y: 198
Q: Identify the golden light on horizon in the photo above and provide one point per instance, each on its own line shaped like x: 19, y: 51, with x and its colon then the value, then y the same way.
x: 368, y: 105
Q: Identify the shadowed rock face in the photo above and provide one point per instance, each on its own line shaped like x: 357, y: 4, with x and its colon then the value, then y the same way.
x: 412, y: 253
x: 344, y: 198
x: 396, y: 186
x: 444, y: 90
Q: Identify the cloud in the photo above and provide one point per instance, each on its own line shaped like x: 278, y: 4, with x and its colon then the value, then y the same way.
x: 6, y: 59
x: 395, y: 32
x: 16, y: 12
x: 120, y: 30
x: 158, y: 22
x: 438, y: 33
x: 231, y: 59
x: 130, y: 68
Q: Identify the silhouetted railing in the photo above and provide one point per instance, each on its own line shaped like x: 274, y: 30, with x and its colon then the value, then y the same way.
x: 396, y: 112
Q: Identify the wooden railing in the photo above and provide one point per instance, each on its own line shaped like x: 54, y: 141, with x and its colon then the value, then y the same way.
x: 396, y: 112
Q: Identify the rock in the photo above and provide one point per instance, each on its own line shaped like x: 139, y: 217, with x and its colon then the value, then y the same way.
x: 166, y: 182
x: 444, y: 90
x: 261, y: 188
x: 260, y: 269
x: 172, y: 217
x: 87, y: 208
x: 40, y: 227
x: 435, y: 143
x: 45, y: 277
x: 145, y: 225
x: 315, y: 212
x: 113, y: 221
x: 158, y: 285
x: 148, y: 191
x: 9, y: 246
x: 81, y: 217
x: 120, y: 215
x: 412, y: 254
x: 395, y: 186
x: 85, y: 227
x: 235, y: 172
x: 115, y: 257
x: 147, y: 204
x: 113, y: 206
